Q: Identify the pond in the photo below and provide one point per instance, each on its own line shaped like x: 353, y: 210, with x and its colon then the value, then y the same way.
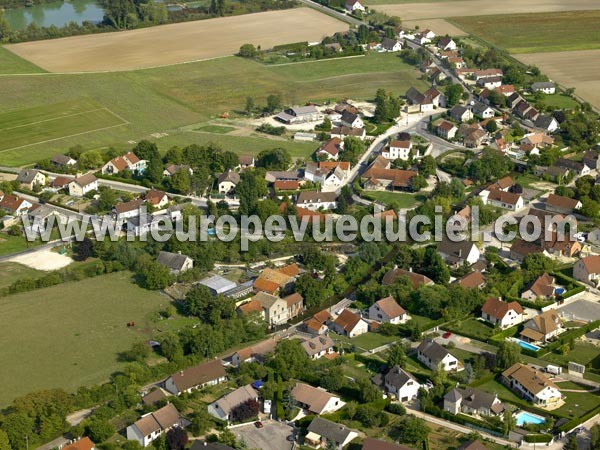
x: 55, y: 13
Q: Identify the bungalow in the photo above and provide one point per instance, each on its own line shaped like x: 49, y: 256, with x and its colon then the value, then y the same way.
x: 61, y: 160
x: 457, y: 253
x: 125, y: 210
x: 433, y: 355
x: 461, y: 113
x: 482, y: 110
x: 254, y: 353
x: 324, y: 433
x: 317, y: 324
x: 315, y: 400
x: 209, y: 373
x: 227, y: 181
x: 245, y: 162
x: 143, y: 224
x: 318, y: 346
x: 538, y: 140
x: 542, y: 327
x: 574, y: 166
x: 456, y: 62
x: 398, y: 150
x: 501, y: 313
x: 446, y: 43
x: 544, y: 86
x: 344, y: 132
x: 502, y: 199
x: 82, y: 185
x: 153, y: 425
x: 546, y: 123
x: 354, y: 5
x: 331, y: 175
x: 282, y: 175
x: 586, y: 269
x: 300, y: 114
x: 30, y: 178
x: 387, y: 310
x: 472, y: 401
x: 490, y: 82
x: 175, y: 262
x: 391, y: 45
x: 532, y: 384
x: 60, y: 183
x: 155, y: 396
x: 446, y: 130
x: 542, y: 287
x: 351, y: 120
x: 128, y: 161
x: 398, y: 383
x: 156, y: 199
x: 14, y: 205
x: 222, y: 408
x: 349, y: 324
x: 416, y: 279
x: 330, y: 149
x: 473, y: 280
x: 315, y: 200
x: 562, y: 205
x: 174, y: 169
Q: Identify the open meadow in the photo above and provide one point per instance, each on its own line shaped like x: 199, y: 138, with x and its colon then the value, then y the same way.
x: 77, y: 339
x: 533, y: 33
x: 177, y: 43
x: 174, y: 99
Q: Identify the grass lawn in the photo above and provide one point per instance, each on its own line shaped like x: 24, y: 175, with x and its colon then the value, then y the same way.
x: 503, y: 392
x: 164, y: 100
x: 367, y: 341
x: 472, y: 327
x: 12, y: 272
x: 556, y: 101
x: 77, y: 339
x: 535, y: 33
x: 578, y: 404
x: 13, y: 244
x: 219, y: 129
x: 402, y: 199
x: 583, y: 353
x: 11, y: 63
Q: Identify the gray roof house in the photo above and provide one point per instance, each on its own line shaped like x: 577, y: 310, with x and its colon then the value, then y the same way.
x: 456, y: 253
x: 218, y: 284
x: 320, y: 431
x: 433, y: 355
x: 472, y: 401
x: 176, y: 262
x: 399, y: 383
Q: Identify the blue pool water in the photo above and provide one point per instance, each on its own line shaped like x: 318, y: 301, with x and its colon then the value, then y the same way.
x: 559, y: 290
x: 524, y: 417
x: 526, y: 345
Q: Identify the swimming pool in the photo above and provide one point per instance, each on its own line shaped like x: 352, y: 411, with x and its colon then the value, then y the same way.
x: 559, y: 290
x: 524, y: 417
x: 526, y: 345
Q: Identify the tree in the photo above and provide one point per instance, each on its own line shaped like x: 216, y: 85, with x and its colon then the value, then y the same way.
x: 367, y: 391
x: 537, y: 264
x: 177, y: 438
x: 411, y: 430
x: 250, y: 189
x: 427, y: 166
x: 571, y: 443
x: 589, y: 207
x: 152, y: 275
x: 99, y: 429
x: 4, y: 442
x: 453, y: 93
x: 418, y: 182
x: 509, y: 423
x: 492, y: 126
x: 249, y: 105
x: 85, y: 249
x: 16, y: 426
x: 509, y: 353
x: 4, y: 27
x: 273, y: 103
x: 248, y: 51
x: 274, y: 159
x: 91, y: 159
x: 119, y: 13
x: 170, y: 347
x: 396, y: 356
x: 244, y: 411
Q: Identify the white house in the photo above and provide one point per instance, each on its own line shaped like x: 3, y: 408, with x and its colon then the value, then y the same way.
x: 457, y: 253
x: 128, y: 161
x: 502, y: 199
x: 322, y: 433
x: 151, y: 426
x: 175, y: 262
x: 446, y: 43
x: 227, y: 181
x: 223, y: 407
x: 315, y: 400
x: 206, y: 374
x: 544, y: 86
x: 315, y: 200
x: 391, y: 45
x: 398, y: 383
x: 82, y: 185
x: 354, y: 5
x: 483, y: 110
x: 501, y: 313
x: 472, y: 401
x: 433, y: 355
x: 318, y: 346
x: 532, y: 384
x: 446, y: 130
x: 15, y: 205
x: 349, y: 324
x: 351, y: 120
x: 587, y: 269
x: 331, y: 175
x: 398, y: 150
x: 387, y: 310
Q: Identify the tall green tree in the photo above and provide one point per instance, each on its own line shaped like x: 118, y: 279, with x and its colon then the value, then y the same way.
x: 509, y: 353
x: 4, y: 27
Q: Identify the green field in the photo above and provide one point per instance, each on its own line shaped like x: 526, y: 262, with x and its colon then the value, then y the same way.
x: 472, y: 327
x: 401, y: 199
x: 401, y: 2
x: 218, y: 129
x: 12, y: 272
x: 366, y: 341
x: 535, y: 33
x: 76, y: 340
x: 557, y: 101
x: 11, y: 63
x: 164, y: 100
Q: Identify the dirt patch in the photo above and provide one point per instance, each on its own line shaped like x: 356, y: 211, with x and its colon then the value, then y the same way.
x: 411, y: 11
x: 177, y: 43
x: 440, y: 27
x: 46, y: 260
x: 578, y: 69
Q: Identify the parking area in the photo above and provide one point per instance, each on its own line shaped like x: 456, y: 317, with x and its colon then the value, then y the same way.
x: 272, y: 436
x: 586, y: 308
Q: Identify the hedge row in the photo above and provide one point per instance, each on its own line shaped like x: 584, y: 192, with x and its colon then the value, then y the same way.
x: 529, y: 304
x: 502, y: 335
x: 537, y: 438
x: 573, y: 423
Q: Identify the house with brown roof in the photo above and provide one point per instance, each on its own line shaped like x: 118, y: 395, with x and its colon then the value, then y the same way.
x: 330, y: 149
x: 330, y: 175
x: 472, y: 445
x: 456, y: 253
x: 222, y: 408
x: 15, y: 205
x: 153, y: 397
x: 295, y: 305
x: 209, y: 373
x: 397, y: 149
x: 318, y: 323
x: 61, y: 160
x: 315, y: 200
x: 254, y: 353
x: 473, y: 280
x: 272, y: 281
x: 315, y: 400
x: 60, y: 182
x: 318, y: 346
x: 349, y: 324
x: 245, y: 161
x: 323, y: 433
x: 542, y: 287
x: 125, y: 210
x: 542, y: 327
x: 156, y: 199
x: 501, y: 313
x: 502, y: 199
x: 561, y: 204
x: 273, y: 309
x: 128, y: 161
x: 380, y: 177
x: 446, y: 130
x: 82, y: 185
x: 82, y: 444
x: 387, y: 310
x: 173, y: 169
x: 227, y: 181
x: 416, y: 279
x: 153, y: 425
x: 534, y: 385
x: 587, y: 269
x: 520, y: 248
x: 344, y: 132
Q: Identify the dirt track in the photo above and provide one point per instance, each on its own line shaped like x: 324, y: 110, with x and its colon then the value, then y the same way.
x: 412, y: 11
x: 578, y: 69
x: 177, y: 43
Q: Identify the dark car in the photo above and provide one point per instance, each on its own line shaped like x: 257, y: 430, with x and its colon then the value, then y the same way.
x: 291, y: 438
x: 446, y: 335
x: 258, y: 424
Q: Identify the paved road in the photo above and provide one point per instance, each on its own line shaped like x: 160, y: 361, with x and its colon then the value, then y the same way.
x: 332, y: 12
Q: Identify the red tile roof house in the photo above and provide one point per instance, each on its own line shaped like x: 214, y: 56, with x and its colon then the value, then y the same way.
x: 587, y: 269
x: 128, y: 161
x: 387, y: 310
x: 501, y: 313
x: 542, y: 287
x: 560, y: 204
x: 349, y: 324
x: 14, y: 205
x: 151, y: 426
x: 209, y: 373
x: 330, y: 149
x: 472, y: 280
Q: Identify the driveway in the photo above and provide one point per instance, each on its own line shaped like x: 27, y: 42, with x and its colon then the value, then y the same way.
x: 272, y: 436
x: 586, y: 308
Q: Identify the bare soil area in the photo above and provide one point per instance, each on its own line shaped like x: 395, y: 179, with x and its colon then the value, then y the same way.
x: 177, y: 43
x: 46, y: 260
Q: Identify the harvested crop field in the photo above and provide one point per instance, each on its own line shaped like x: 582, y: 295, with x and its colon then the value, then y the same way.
x: 438, y: 26
x: 578, y: 69
x: 412, y: 11
x: 177, y: 43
